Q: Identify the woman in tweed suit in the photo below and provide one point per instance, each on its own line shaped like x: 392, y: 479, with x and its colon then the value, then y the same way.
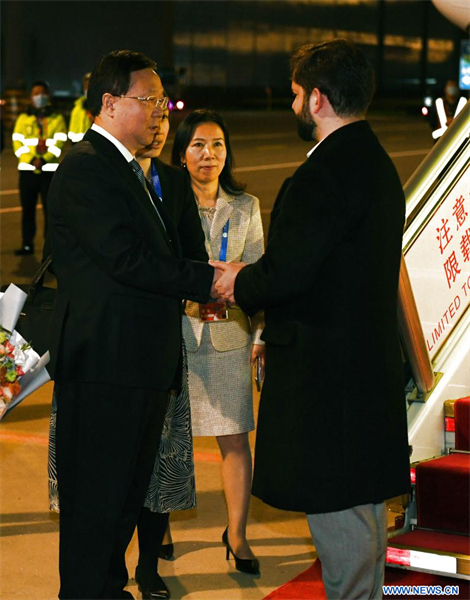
x: 220, y: 353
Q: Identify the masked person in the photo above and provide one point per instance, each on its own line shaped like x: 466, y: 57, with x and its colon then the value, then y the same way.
x: 38, y: 138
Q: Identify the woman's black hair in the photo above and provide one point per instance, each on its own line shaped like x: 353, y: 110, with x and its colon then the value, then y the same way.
x: 184, y: 135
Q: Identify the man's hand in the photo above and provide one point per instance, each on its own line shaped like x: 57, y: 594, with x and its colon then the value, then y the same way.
x: 225, y: 282
x: 217, y: 274
x: 259, y: 351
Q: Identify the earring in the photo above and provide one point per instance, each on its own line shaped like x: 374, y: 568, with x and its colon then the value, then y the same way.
x: 183, y: 165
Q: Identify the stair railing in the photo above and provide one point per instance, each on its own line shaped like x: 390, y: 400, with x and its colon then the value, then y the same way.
x: 418, y: 191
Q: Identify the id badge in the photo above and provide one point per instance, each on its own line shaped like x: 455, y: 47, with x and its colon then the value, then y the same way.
x: 213, y: 311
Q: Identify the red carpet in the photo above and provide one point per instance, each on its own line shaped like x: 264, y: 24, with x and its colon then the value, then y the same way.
x: 433, y: 540
x: 308, y: 585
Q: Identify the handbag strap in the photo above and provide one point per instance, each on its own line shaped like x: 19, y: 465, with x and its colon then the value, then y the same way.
x: 38, y: 279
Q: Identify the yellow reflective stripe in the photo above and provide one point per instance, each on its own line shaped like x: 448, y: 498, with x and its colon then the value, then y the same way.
x: 31, y: 141
x: 18, y: 137
x: 26, y: 167
x: 22, y: 150
x: 55, y: 151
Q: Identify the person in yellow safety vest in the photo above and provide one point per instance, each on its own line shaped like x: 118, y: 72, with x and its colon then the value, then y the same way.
x: 81, y: 118
x: 447, y: 107
x: 38, y: 138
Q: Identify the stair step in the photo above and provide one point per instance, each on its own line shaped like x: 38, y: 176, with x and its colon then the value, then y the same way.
x: 431, y: 551
x: 443, y: 493
x: 462, y: 423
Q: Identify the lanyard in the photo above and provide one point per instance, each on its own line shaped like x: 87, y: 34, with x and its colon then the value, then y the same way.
x: 156, y: 180
x: 223, y: 247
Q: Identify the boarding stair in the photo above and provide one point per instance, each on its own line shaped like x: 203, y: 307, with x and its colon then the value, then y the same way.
x: 431, y: 529
x: 435, y: 533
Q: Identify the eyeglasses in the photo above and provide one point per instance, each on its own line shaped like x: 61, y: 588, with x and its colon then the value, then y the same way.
x: 157, y: 102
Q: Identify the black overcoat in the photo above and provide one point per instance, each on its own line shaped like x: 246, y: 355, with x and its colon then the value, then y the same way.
x: 121, y: 275
x: 332, y: 430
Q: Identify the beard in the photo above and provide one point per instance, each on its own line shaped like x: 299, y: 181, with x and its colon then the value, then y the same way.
x: 306, y: 126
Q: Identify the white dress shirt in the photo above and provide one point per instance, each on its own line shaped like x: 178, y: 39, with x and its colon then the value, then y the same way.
x: 122, y: 149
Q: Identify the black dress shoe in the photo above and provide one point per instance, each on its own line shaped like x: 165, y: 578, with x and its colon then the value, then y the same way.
x: 150, y: 584
x: 24, y: 251
x: 245, y: 565
x: 167, y: 552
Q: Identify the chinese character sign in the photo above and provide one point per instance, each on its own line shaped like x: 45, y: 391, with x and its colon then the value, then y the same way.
x: 438, y: 263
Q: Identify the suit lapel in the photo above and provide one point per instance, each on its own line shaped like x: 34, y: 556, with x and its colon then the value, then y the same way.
x: 146, y: 203
x: 170, y: 234
x: 125, y: 171
x: 222, y: 214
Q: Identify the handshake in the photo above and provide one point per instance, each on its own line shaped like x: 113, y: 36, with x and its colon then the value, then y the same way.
x: 223, y: 283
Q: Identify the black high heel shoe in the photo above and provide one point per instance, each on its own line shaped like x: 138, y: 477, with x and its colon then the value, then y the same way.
x: 245, y: 565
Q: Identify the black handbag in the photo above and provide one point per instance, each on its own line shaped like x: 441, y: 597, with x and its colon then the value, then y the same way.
x: 34, y: 323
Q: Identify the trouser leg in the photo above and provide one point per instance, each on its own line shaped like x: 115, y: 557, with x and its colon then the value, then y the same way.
x: 29, y: 185
x: 107, y: 439
x: 381, y: 517
x: 351, y: 545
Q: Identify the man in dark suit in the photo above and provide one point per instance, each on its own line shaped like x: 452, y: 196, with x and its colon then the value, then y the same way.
x: 116, y: 336
x: 332, y: 432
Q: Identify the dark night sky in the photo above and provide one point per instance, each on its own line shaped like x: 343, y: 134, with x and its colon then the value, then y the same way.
x: 218, y: 43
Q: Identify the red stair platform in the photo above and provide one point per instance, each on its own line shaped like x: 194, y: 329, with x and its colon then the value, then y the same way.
x: 440, y: 542
x: 443, y: 493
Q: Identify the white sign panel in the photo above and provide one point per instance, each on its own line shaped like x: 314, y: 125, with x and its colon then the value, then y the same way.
x: 438, y: 264
x: 433, y: 562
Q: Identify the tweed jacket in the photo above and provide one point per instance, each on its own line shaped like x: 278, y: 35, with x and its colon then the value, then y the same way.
x: 246, y: 244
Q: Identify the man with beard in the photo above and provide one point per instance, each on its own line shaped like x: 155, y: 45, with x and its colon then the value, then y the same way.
x: 332, y: 439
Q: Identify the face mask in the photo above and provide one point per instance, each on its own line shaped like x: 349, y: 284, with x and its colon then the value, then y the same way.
x: 40, y: 101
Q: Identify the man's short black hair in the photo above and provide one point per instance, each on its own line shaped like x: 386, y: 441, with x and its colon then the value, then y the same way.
x: 340, y: 70
x: 112, y: 75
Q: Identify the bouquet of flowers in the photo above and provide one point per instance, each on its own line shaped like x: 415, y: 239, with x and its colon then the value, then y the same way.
x: 22, y: 370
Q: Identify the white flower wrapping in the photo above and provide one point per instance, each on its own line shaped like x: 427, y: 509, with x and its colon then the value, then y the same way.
x: 33, y: 365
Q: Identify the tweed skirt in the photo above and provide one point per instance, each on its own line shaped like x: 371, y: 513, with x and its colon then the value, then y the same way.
x: 220, y: 389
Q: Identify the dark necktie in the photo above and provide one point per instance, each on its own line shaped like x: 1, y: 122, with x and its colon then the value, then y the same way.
x: 141, y: 177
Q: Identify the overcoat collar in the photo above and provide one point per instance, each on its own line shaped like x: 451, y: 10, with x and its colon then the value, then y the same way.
x: 344, y: 134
